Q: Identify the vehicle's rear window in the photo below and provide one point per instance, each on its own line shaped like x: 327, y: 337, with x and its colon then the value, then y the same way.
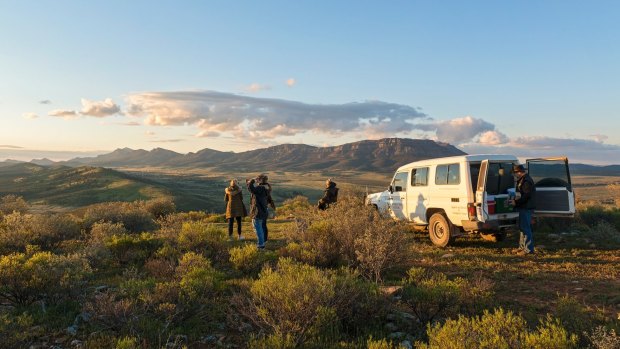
x: 499, y: 178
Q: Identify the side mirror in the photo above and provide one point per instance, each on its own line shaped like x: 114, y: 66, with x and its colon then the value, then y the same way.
x: 391, y: 189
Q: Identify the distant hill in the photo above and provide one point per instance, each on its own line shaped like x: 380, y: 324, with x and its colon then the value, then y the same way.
x: 382, y: 155
x: 86, y: 185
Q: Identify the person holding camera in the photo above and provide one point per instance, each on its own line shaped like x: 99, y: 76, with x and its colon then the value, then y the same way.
x: 525, y: 205
x: 270, y: 203
x: 258, y: 206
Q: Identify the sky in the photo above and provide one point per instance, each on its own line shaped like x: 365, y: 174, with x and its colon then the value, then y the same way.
x: 529, y: 78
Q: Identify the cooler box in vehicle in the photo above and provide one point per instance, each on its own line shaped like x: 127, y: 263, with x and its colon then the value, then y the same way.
x: 502, y: 206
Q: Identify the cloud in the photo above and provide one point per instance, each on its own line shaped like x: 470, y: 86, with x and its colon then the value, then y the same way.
x: 45, y: 101
x: 217, y: 112
x: 7, y: 146
x: 256, y: 87
x: 459, y: 130
x: 99, y: 109
x: 577, y: 150
x: 167, y: 141
x: 291, y: 82
x: 30, y: 116
x: 63, y: 113
x: 149, y: 133
x: 492, y: 138
x: 130, y: 123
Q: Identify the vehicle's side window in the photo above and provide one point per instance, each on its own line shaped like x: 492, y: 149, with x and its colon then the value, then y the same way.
x: 400, y: 181
x: 419, y: 177
x: 447, y: 174
x: 454, y: 174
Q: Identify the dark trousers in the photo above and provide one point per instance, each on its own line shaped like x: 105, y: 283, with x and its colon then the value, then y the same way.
x: 231, y: 222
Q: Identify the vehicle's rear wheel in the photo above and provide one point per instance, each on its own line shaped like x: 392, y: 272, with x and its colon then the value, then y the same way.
x: 440, y: 230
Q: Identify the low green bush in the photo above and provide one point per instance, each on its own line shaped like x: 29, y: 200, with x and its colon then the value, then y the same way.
x: 431, y: 296
x: 299, y: 303
x: 294, y: 206
x: 41, y: 276
x: 17, y: 230
x: 133, y: 215
x: 499, y: 329
x: 133, y: 248
x: 249, y: 259
x: 12, y: 203
x: 160, y: 207
x: 203, y: 238
x: 602, y: 338
x: 349, y: 233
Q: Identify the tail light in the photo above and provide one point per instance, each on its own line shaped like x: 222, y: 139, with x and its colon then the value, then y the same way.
x: 471, y: 211
x: 491, y: 206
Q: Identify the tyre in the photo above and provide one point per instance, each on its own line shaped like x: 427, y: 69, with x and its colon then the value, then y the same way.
x: 440, y: 230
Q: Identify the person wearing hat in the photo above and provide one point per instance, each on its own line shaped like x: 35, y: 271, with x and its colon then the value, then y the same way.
x: 525, y: 205
x: 330, y: 195
x: 258, y: 207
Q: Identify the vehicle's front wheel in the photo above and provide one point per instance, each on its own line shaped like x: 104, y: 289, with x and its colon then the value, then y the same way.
x: 440, y: 230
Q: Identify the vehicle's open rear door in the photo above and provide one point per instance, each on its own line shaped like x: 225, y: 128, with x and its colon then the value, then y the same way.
x: 554, y: 191
x: 482, y: 210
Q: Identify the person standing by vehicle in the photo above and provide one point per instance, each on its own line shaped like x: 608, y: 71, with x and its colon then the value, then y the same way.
x: 258, y: 207
x: 525, y: 205
x: 235, y: 209
x: 330, y: 195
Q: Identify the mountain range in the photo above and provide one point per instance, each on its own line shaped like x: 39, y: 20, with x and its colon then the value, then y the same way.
x: 383, y: 156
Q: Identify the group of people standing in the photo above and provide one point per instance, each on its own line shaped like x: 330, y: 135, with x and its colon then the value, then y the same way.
x: 260, y: 201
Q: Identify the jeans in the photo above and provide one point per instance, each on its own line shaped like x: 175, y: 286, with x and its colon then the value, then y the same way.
x: 526, y: 241
x: 260, y: 233
x: 231, y: 221
x: 265, y: 230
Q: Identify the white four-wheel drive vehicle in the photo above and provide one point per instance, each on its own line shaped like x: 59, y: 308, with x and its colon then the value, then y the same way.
x: 467, y: 194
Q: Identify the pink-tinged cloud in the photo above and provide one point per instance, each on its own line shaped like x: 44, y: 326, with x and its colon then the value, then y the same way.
x: 99, y: 109
x: 291, y: 82
x: 30, y: 116
x: 265, y: 118
x: 256, y: 87
x: 63, y: 113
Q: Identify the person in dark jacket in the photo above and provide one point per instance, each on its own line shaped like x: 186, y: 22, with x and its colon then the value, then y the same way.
x: 525, y: 204
x: 330, y: 195
x: 258, y: 207
x: 235, y: 209
x: 270, y: 203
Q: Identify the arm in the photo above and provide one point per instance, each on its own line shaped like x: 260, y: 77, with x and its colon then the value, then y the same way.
x: 526, y: 193
x: 251, y: 186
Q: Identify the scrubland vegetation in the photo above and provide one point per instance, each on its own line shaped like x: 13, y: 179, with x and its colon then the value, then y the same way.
x: 141, y: 275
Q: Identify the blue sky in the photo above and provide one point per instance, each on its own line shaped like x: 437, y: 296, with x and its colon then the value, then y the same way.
x: 530, y: 78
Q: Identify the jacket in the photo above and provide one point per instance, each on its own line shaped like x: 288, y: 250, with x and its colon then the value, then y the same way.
x: 258, y: 200
x: 234, y: 202
x: 330, y: 196
x: 527, y: 189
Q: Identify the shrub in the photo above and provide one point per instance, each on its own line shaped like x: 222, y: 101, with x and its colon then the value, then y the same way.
x: 13, y: 203
x: 160, y: 207
x: 198, y: 279
x: 294, y: 206
x: 381, y: 344
x: 134, y: 217
x: 574, y: 316
x: 303, y: 302
x: 594, y: 214
x: 127, y: 343
x: 350, y: 233
x: 432, y: 295
x: 249, y: 259
x: 499, y: 329
x: 203, y: 238
x: 601, y: 338
x: 18, y: 230
x: 131, y: 248
x: 215, y: 218
x: 42, y: 276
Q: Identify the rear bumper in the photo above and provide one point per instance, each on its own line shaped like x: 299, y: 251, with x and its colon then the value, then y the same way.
x: 489, y: 226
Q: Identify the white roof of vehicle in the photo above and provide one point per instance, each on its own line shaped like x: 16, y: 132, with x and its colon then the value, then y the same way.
x: 460, y: 158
